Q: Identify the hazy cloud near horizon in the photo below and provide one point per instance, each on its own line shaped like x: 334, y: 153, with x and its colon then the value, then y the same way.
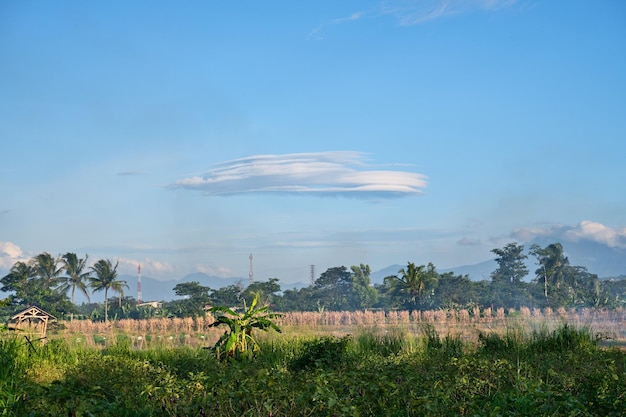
x: 585, y: 230
x: 333, y: 173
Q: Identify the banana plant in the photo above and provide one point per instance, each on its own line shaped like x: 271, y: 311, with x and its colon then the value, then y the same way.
x: 237, y: 341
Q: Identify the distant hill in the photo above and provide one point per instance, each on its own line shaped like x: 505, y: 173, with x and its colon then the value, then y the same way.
x: 599, y: 259
x: 477, y: 272
x: 156, y: 290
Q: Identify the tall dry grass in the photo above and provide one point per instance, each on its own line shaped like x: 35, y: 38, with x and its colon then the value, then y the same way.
x: 466, y: 323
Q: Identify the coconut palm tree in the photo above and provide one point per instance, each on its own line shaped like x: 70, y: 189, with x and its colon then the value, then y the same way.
x: 553, y: 265
x: 413, y: 282
x: 76, y: 274
x: 118, y: 287
x: 47, y: 269
x: 105, y: 279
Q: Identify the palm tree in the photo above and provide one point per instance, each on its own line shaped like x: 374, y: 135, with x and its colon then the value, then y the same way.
x: 413, y: 281
x: 118, y: 287
x: 76, y: 278
x: 552, y: 265
x: 106, y: 277
x: 47, y: 268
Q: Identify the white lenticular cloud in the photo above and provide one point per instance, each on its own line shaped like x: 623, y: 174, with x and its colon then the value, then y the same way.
x: 339, y: 173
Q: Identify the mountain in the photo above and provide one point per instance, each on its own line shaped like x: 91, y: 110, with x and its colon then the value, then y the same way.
x: 599, y: 259
x: 156, y: 290
x: 477, y: 272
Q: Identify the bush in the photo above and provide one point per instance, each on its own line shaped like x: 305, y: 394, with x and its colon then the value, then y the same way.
x: 327, y: 352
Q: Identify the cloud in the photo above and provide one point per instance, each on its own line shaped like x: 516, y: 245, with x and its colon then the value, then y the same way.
x: 148, y: 266
x: 598, y: 232
x: 468, y: 242
x: 128, y: 173
x: 413, y: 12
x: 10, y: 253
x: 339, y: 173
x: 317, y: 33
x: 585, y: 230
x: 216, y: 271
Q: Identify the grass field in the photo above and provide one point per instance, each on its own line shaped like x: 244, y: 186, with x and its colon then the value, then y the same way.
x: 479, y: 363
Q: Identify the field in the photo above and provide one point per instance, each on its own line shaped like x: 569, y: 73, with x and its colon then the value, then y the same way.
x: 432, y: 363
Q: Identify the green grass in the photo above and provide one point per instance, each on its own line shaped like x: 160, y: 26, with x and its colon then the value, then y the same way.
x: 562, y: 372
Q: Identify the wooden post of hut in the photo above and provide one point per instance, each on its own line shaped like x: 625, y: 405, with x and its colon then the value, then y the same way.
x: 34, y: 321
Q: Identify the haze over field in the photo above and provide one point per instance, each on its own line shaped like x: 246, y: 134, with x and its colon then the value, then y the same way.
x: 185, y: 137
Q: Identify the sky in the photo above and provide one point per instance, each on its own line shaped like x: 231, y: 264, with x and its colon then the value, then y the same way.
x: 186, y: 136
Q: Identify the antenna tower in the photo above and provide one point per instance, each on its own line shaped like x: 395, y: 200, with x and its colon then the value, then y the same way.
x: 312, y: 274
x: 138, y: 284
x: 251, y: 273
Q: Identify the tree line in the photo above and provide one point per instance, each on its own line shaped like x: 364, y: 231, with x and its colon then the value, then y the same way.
x: 46, y: 281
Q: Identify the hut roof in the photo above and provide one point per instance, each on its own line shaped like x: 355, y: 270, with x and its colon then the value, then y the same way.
x: 32, y: 311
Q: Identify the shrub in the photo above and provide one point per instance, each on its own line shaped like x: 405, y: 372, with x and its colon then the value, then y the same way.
x: 327, y: 352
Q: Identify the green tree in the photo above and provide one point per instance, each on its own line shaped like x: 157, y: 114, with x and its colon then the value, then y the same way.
x: 454, y: 291
x: 77, y: 276
x: 302, y: 299
x: 36, y: 282
x: 227, y: 296
x: 331, y: 289
x: 48, y: 269
x: 511, y: 267
x: 413, y: 284
x: 196, y: 298
x: 552, y: 269
x: 16, y: 281
x: 363, y: 294
x: 266, y: 291
x: 105, y: 279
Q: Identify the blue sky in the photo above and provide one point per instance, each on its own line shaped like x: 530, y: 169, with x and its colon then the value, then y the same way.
x: 185, y: 136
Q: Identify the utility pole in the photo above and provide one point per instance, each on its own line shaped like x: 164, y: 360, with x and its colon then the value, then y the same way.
x: 251, y: 272
x: 139, y: 284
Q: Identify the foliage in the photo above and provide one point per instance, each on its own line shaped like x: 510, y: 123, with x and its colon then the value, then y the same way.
x: 332, y: 288
x: 266, y: 291
x: 36, y: 282
x: 413, y: 284
x: 106, y: 279
x: 326, y: 352
x: 511, y: 268
x: 238, y: 342
x: 556, y: 373
x: 45, y: 280
x: 196, y: 298
x: 77, y: 275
